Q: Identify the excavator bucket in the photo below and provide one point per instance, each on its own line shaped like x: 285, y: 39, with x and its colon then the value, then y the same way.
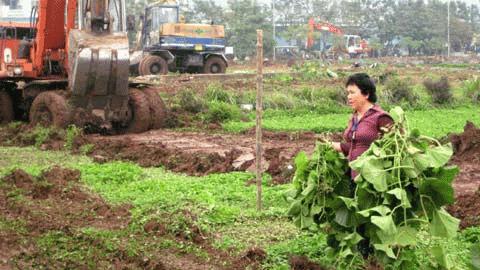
x: 99, y: 66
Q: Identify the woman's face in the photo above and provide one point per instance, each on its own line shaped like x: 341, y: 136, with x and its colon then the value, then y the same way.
x: 356, y: 99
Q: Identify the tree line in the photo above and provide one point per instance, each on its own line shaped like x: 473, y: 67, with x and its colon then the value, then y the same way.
x: 418, y: 27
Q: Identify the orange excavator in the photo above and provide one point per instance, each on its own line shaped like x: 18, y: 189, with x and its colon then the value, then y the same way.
x: 354, y: 45
x: 70, y: 65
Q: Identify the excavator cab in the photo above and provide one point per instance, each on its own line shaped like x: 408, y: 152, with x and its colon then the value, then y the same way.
x: 155, y: 16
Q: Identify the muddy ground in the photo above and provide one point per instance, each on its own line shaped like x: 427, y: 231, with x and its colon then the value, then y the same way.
x: 43, y: 221
x: 197, y: 153
x: 201, y: 153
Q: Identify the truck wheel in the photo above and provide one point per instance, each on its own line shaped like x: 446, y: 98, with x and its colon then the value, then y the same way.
x: 214, y: 65
x: 6, y: 108
x: 49, y: 109
x: 139, y: 108
x: 152, y: 65
x: 157, y: 109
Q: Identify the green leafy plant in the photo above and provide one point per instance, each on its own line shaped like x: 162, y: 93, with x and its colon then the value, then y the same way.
x: 402, y: 184
x: 41, y: 135
x: 190, y: 101
x: 317, y: 182
x: 116, y: 172
x: 86, y: 148
x: 310, y: 70
x: 215, y: 93
x: 283, y: 78
x: 220, y: 112
x: 71, y: 133
x: 279, y: 100
x: 472, y: 89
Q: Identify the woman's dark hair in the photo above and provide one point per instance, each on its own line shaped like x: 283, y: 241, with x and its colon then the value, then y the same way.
x: 365, y: 84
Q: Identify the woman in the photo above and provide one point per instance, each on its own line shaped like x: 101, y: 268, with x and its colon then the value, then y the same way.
x: 364, y: 127
x: 367, y: 121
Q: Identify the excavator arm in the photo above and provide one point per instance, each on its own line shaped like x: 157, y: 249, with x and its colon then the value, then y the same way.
x: 98, y: 59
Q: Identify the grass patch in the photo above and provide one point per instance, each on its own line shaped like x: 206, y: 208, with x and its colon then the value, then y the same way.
x: 434, y: 122
x: 219, y: 203
x: 33, y: 161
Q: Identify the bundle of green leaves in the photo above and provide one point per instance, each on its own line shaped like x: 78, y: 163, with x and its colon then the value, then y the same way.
x: 317, y: 183
x: 402, y: 186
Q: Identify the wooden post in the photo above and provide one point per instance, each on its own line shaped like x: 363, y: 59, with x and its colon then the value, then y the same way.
x: 259, y: 106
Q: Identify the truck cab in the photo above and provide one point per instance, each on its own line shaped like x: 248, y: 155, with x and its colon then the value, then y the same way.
x: 169, y: 44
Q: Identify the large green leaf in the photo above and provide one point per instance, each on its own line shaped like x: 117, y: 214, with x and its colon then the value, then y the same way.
x: 306, y: 222
x: 440, y: 155
x: 301, y: 162
x: 345, y: 217
x: 301, y: 166
x: 349, y: 202
x: 312, y: 183
x: 401, y: 195
x: 353, y: 238
x: 290, y: 194
x: 440, y: 256
x: 397, y: 114
x: 385, y: 248
x: 409, y: 168
x: 441, y: 192
x: 295, y: 208
x: 385, y: 223
x: 443, y: 224
x: 435, y: 157
x: 381, y: 209
x: 366, y: 198
x: 406, y: 236
x: 447, y: 174
x: 373, y: 172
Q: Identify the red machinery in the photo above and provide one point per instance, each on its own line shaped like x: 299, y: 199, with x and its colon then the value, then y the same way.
x: 354, y: 45
x: 71, y: 63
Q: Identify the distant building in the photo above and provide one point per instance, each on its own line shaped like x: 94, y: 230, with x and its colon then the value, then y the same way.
x: 15, y: 10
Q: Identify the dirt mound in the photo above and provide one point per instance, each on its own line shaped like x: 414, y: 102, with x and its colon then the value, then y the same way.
x: 467, y: 209
x: 51, y: 202
x: 278, y: 166
x: 43, y: 138
x: 303, y: 263
x: 467, y: 144
x: 26, y: 135
x: 153, y: 155
x: 60, y: 200
x: 251, y: 259
x: 155, y: 227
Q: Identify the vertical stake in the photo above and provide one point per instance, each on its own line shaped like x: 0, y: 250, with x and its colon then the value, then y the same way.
x: 259, y: 106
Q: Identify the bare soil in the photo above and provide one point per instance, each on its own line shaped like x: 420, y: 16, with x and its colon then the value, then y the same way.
x: 303, y: 263
x: 56, y: 203
x: 198, y: 153
x: 467, y: 184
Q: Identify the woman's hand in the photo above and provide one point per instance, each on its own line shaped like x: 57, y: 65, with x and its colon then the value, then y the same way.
x: 336, y: 146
